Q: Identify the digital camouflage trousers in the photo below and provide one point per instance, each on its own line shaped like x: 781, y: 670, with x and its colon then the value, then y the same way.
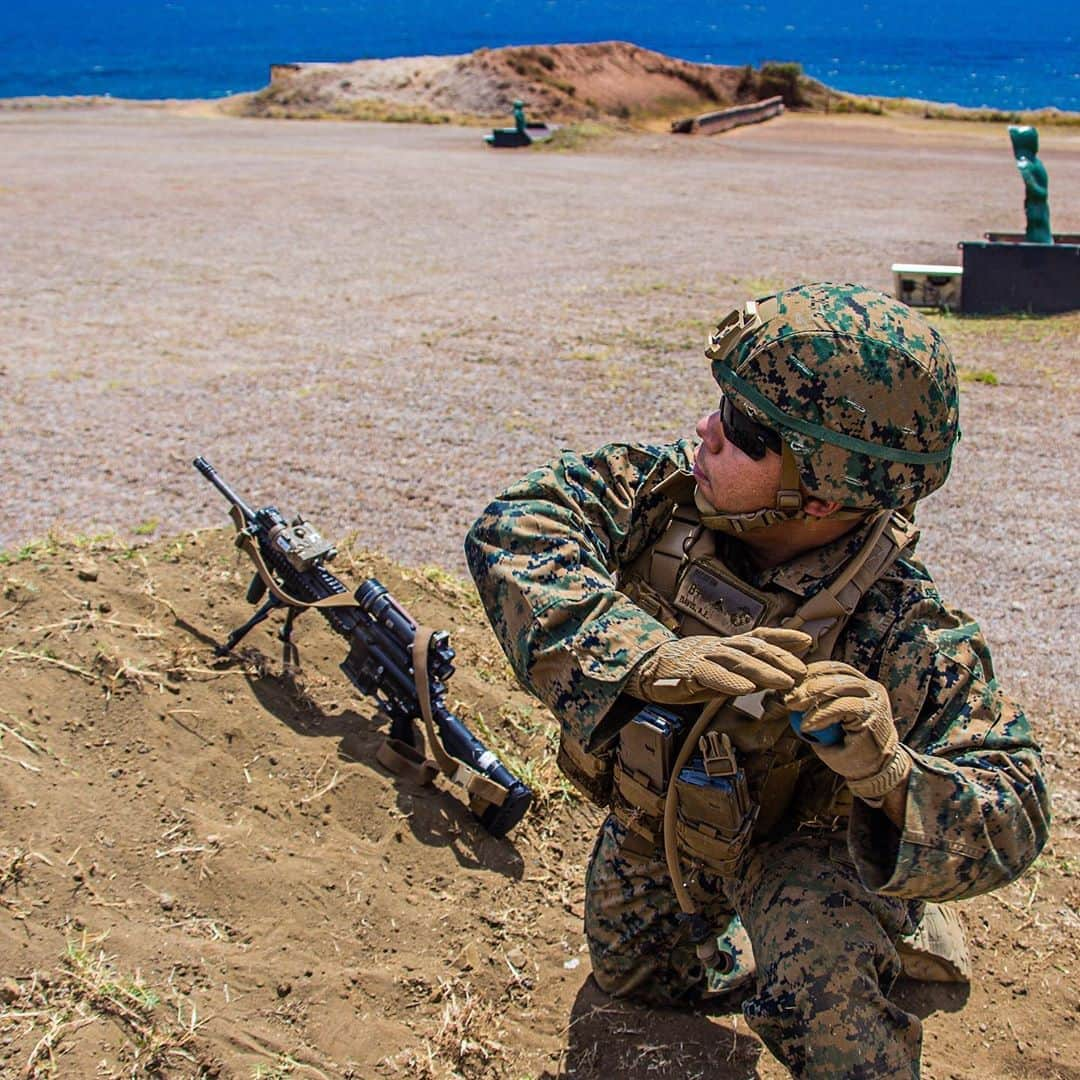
x: 823, y: 948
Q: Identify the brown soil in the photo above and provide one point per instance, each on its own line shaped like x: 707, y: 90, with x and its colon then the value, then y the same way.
x: 381, y: 326
x: 217, y: 834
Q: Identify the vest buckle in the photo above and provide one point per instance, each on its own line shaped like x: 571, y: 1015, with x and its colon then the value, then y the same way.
x: 718, y: 754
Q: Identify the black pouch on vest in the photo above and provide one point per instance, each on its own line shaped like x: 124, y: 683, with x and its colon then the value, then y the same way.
x: 716, y: 816
x: 648, y: 745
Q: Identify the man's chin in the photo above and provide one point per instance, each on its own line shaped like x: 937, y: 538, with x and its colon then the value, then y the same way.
x: 704, y: 504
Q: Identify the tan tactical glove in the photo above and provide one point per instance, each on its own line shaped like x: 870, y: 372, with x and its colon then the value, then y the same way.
x: 689, y: 670
x: 869, y: 756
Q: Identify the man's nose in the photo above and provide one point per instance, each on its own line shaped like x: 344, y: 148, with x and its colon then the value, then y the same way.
x: 711, y: 431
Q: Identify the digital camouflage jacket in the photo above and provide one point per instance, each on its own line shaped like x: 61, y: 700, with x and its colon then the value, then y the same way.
x: 546, y: 557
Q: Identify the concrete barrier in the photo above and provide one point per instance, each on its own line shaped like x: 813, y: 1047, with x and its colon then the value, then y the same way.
x: 726, y: 119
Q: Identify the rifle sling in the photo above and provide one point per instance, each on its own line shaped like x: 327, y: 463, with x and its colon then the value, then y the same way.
x: 247, y: 543
x: 483, y: 792
x: 398, y: 757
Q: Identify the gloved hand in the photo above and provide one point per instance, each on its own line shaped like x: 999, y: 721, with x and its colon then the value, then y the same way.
x: 696, y: 669
x: 870, y: 755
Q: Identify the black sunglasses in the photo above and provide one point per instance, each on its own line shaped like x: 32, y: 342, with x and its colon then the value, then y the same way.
x: 752, y: 438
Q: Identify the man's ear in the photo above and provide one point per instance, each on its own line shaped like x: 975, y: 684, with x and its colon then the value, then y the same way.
x: 819, y: 508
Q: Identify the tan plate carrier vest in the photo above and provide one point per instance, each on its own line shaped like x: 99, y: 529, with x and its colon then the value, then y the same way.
x: 753, y: 760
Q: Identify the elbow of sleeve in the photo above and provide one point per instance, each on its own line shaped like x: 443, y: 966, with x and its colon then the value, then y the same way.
x: 960, y: 839
x: 1015, y: 834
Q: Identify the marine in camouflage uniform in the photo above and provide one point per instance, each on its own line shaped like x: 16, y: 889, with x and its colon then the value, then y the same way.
x: 863, y: 394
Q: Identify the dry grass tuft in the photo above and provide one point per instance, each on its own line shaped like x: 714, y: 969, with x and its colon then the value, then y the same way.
x: 87, y: 989
x: 462, y: 1044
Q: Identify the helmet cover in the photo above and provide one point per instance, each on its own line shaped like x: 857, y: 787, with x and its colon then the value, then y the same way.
x: 861, y: 388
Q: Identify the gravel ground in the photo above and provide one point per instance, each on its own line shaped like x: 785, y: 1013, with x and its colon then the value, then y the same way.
x: 383, y: 325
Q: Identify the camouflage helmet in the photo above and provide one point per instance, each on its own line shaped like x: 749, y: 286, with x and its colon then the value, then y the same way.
x: 861, y: 389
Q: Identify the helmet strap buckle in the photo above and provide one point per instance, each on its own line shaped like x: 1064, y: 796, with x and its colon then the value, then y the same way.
x: 789, y: 497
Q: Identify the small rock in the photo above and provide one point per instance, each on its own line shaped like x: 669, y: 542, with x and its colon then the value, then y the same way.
x: 9, y: 991
x: 516, y: 958
x: 167, y: 901
x: 87, y: 572
x: 104, y: 607
x: 572, y: 964
x: 469, y: 958
x: 284, y: 989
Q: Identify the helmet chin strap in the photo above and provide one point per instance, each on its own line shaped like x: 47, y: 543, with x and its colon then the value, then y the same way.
x: 788, y: 505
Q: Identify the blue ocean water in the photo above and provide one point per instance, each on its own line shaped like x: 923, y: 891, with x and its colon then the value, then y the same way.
x: 973, y: 52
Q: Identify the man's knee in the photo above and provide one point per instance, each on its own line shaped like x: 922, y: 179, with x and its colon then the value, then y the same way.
x: 825, y: 961
x: 821, y: 1029
x: 636, y: 939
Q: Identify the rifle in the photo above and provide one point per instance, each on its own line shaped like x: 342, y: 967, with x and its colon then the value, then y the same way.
x: 392, y: 658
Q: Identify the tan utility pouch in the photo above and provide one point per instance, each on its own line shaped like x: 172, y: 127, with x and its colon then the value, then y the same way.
x: 716, y: 815
x: 648, y: 745
x: 591, y: 772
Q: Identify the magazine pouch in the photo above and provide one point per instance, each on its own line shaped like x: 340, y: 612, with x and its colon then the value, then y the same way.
x: 590, y: 771
x: 648, y: 745
x: 715, y: 814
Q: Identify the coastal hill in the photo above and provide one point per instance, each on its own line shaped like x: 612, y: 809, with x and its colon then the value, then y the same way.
x: 613, y: 82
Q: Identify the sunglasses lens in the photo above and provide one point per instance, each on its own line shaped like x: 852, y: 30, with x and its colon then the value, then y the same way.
x: 751, y: 438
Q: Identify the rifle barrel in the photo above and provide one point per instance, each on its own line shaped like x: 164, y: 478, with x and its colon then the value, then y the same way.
x: 211, y: 474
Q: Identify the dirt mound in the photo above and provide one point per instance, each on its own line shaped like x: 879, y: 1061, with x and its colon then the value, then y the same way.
x: 203, y: 871
x: 192, y: 830
x: 608, y: 80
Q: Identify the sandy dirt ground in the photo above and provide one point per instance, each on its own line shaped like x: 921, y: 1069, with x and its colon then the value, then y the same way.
x: 382, y: 326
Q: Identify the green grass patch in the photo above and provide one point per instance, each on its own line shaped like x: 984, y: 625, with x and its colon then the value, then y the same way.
x: 580, y: 136
x: 88, y: 988
x: 33, y: 550
x: 979, y: 375
x: 762, y: 286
